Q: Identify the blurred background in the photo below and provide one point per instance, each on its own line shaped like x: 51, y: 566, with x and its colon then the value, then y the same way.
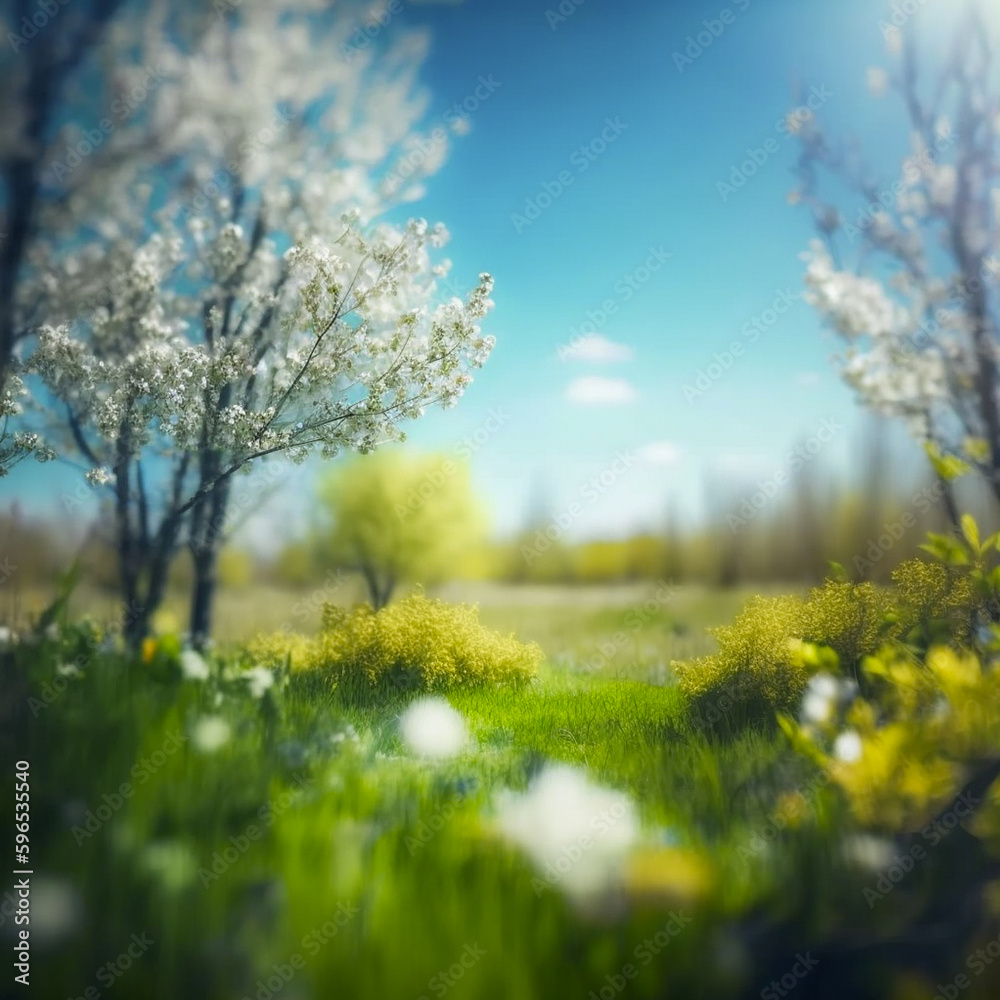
x: 595, y: 160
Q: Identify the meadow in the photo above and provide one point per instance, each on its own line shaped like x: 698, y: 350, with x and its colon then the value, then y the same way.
x: 254, y: 834
x: 664, y: 665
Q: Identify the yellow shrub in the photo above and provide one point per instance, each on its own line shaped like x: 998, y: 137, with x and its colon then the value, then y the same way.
x: 930, y: 725
x: 767, y: 655
x: 762, y: 665
x: 280, y: 649
x: 416, y: 643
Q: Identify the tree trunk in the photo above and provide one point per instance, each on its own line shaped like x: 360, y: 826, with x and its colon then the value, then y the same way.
x: 207, y: 532
x: 203, y: 596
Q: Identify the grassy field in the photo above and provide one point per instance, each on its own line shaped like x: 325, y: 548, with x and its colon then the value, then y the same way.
x: 631, y: 630
x: 312, y: 815
x: 288, y: 843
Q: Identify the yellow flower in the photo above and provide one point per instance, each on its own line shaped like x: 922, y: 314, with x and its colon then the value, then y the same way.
x: 148, y: 649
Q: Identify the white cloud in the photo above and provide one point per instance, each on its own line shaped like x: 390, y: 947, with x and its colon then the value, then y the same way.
x: 594, y: 390
x: 807, y: 378
x: 659, y: 453
x: 595, y: 350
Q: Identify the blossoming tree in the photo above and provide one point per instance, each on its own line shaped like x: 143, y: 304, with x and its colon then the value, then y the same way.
x: 906, y: 272
x: 38, y: 68
x: 217, y: 277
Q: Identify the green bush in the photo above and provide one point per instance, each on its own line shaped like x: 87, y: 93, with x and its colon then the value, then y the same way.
x: 417, y: 643
x: 774, y: 645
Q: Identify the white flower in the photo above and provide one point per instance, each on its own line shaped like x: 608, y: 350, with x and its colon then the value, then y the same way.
x: 819, y: 700
x: 68, y: 670
x: 7, y: 637
x: 430, y: 727
x: 864, y: 850
x: 56, y: 909
x: 824, y: 695
x: 576, y: 832
x: 210, y: 733
x: 193, y: 667
x: 98, y: 477
x: 848, y: 747
x: 259, y: 679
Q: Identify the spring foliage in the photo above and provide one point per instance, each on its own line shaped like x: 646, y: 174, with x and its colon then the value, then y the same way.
x: 400, y: 518
x: 773, y: 647
x: 417, y: 643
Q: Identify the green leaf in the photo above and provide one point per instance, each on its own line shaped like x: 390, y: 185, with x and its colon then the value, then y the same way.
x: 948, y: 467
x: 949, y: 550
x: 971, y: 531
x: 977, y: 449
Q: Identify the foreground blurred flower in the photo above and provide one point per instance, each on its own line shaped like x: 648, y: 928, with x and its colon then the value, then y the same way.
x: 210, y: 733
x: 865, y: 850
x: 577, y: 833
x: 430, y: 727
x: 193, y: 667
x: 55, y: 909
x: 668, y: 876
x: 824, y: 696
x: 259, y: 679
x: 848, y: 747
x: 171, y: 862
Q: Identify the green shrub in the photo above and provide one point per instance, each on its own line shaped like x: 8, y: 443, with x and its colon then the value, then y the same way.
x: 417, y: 643
x: 774, y: 645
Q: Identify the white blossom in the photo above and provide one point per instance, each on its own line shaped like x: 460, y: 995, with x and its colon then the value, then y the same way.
x: 577, y: 833
x: 430, y: 727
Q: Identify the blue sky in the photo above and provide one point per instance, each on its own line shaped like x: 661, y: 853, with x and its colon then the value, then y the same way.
x: 654, y: 186
x: 598, y: 99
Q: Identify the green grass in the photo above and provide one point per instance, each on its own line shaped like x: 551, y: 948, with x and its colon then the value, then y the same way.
x: 345, y: 834
x: 348, y: 826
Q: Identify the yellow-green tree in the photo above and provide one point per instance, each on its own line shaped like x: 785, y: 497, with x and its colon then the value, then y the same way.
x: 398, y: 517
